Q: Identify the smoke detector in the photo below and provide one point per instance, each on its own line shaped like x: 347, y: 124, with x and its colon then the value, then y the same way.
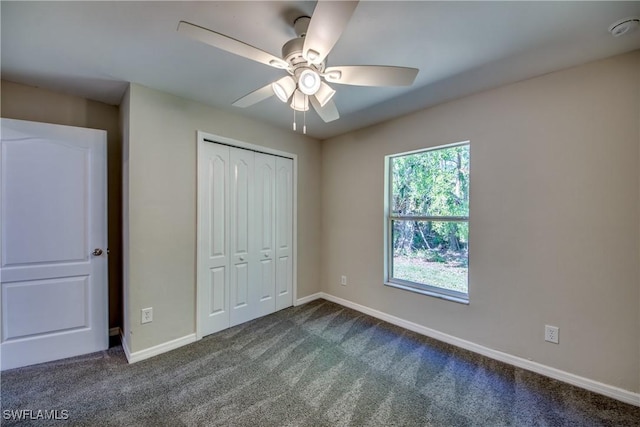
x: 624, y: 26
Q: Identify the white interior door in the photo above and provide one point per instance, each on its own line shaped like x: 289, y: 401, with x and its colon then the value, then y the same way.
x: 53, y: 196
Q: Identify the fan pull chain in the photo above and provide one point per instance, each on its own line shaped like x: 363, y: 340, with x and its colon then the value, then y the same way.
x: 294, y: 113
x: 304, y: 116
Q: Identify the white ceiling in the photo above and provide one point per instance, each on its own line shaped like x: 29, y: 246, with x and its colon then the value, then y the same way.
x: 92, y: 49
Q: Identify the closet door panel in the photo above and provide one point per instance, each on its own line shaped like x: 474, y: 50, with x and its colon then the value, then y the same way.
x: 241, y: 231
x: 265, y: 188
x: 240, y: 285
x: 213, y: 241
x: 217, y: 303
x: 284, y: 232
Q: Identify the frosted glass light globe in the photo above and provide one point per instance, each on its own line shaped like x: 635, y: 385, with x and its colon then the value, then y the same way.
x: 309, y: 82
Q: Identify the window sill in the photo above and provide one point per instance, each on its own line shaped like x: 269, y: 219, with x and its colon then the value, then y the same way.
x: 428, y: 293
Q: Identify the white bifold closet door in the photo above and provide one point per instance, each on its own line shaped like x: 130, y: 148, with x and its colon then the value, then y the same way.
x: 245, y: 225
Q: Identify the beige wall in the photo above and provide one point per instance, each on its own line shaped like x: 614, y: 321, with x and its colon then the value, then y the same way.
x: 162, y: 207
x: 554, y: 218
x: 555, y: 211
x: 40, y: 105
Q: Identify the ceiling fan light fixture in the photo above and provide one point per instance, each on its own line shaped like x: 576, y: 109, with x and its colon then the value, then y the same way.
x: 299, y: 101
x: 324, y: 94
x: 304, y: 59
x: 284, y: 88
x: 309, y: 82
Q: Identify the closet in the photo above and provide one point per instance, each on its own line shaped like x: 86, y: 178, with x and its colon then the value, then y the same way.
x: 245, y: 233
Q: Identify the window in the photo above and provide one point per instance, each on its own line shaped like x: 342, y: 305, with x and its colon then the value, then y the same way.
x: 427, y: 221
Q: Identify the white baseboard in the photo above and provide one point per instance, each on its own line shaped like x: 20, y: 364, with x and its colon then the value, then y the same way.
x: 156, y: 350
x: 309, y: 298
x: 578, y: 381
x: 179, y: 342
x: 114, y: 331
x: 125, y: 347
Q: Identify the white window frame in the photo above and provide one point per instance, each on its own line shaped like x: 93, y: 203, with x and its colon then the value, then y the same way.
x: 389, y: 217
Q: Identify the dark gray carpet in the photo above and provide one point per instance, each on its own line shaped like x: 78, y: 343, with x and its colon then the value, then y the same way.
x: 318, y: 364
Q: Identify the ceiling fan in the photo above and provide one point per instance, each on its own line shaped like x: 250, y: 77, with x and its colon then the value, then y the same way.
x: 304, y: 59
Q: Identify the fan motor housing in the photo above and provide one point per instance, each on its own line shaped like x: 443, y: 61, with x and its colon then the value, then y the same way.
x: 292, y: 53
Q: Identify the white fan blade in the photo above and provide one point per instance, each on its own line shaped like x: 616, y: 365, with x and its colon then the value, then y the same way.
x: 371, y: 75
x: 230, y: 45
x: 327, y: 23
x: 328, y: 113
x: 254, y: 97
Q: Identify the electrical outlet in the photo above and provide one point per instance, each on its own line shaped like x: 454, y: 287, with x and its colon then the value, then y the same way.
x: 552, y: 334
x: 147, y: 315
x: 343, y: 280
